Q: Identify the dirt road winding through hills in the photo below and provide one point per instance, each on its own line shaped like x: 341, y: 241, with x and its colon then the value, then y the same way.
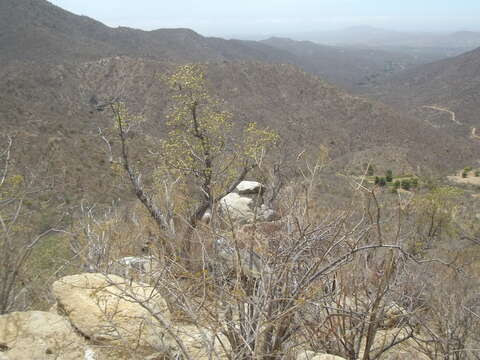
x: 453, y: 115
x: 454, y: 118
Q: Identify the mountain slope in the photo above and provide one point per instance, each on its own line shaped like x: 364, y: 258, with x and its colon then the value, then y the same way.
x: 58, y: 65
x: 46, y: 103
x: 445, y: 93
x: 37, y: 31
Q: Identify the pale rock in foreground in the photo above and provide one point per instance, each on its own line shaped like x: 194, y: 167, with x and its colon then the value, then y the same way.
x: 38, y: 335
x: 106, y: 309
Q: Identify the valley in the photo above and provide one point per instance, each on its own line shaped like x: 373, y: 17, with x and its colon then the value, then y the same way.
x: 169, y: 195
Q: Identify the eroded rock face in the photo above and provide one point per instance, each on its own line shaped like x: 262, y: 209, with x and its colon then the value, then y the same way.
x: 101, y: 317
x: 245, y: 204
x: 39, y: 335
x: 107, y: 310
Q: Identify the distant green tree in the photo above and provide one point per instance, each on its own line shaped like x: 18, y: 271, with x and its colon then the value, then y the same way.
x: 435, y: 213
x: 389, y: 176
x: 477, y: 173
x: 382, y: 181
x: 396, y: 185
x: 464, y: 174
x: 377, y: 180
x: 406, y: 184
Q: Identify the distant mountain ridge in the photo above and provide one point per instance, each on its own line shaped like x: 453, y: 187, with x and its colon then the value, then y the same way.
x: 37, y: 31
x: 345, y: 66
x: 430, y: 46
x: 383, y: 37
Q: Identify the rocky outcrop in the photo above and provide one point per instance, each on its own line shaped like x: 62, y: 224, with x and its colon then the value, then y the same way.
x: 122, y: 319
x: 39, y: 335
x: 245, y: 204
x: 106, y: 317
x: 110, y: 310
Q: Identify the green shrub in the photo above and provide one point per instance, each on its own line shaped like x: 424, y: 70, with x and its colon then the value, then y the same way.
x: 389, y: 176
x: 406, y: 184
x: 396, y: 185
x: 382, y: 181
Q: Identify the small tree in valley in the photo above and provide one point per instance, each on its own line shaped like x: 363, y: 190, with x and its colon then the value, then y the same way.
x: 389, y: 176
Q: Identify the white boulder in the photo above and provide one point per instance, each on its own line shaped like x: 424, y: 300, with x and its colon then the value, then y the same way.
x: 249, y: 188
x: 237, y: 207
x: 245, y: 204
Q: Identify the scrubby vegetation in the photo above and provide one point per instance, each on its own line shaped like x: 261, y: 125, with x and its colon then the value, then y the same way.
x: 373, y: 278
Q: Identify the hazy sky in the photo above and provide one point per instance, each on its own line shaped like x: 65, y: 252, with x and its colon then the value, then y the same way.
x: 228, y: 17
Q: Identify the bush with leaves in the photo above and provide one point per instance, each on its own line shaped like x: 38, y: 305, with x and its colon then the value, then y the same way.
x: 396, y: 184
x: 435, y: 213
x: 406, y: 184
x: 389, y: 176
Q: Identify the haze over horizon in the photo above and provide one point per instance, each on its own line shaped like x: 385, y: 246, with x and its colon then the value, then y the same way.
x: 273, y: 17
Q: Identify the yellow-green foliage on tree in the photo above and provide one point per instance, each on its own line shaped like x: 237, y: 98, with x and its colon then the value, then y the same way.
x: 201, y: 144
x: 435, y: 212
x: 11, y: 187
x: 201, y: 149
